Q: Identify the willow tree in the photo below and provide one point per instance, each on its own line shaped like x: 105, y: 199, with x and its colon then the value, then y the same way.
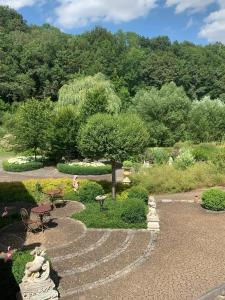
x: 90, y: 95
x: 114, y: 137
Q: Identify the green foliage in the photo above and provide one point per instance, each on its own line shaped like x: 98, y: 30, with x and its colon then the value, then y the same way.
x: 66, y: 124
x: 134, y: 211
x: 207, y: 120
x: 29, y: 166
x: 89, y: 191
x: 168, y: 179
x: 113, y: 137
x: 138, y: 192
x: 91, y: 94
x: 204, y: 152
x: 20, y: 259
x: 219, y: 159
x: 32, y: 124
x: 11, y: 20
x: 84, y: 170
x: 157, y: 155
x: 165, y: 111
x: 109, y: 217
x: 127, y: 164
x: 214, y: 199
x: 185, y: 159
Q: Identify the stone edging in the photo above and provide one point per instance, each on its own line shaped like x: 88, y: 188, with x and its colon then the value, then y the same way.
x: 216, y: 294
x: 175, y: 201
x: 152, y: 217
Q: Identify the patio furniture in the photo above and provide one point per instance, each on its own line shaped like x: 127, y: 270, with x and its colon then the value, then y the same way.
x: 43, y: 212
x: 30, y: 225
x: 56, y: 196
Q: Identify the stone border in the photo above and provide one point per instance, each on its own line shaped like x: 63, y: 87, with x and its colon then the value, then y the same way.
x: 216, y: 294
x: 176, y: 201
x: 152, y: 217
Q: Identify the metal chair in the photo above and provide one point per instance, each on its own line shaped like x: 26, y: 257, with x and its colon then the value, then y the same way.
x: 30, y: 225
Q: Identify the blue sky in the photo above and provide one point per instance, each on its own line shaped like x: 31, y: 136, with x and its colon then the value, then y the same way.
x: 200, y: 21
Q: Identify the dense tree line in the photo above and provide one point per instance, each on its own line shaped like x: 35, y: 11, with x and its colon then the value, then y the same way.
x: 36, y: 61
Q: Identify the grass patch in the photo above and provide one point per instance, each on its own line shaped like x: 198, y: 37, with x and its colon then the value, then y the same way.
x: 20, y: 258
x: 167, y: 179
x: 110, y: 217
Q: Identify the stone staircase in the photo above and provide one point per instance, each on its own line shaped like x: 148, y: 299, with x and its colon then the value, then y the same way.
x: 97, y: 257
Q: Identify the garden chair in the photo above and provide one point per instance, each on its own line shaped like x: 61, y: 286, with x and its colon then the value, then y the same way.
x: 30, y: 225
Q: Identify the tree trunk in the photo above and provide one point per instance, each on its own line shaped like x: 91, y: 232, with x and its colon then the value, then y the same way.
x: 114, y: 179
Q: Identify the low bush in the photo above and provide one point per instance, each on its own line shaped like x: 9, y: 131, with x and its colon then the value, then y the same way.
x: 138, y: 192
x: 158, y: 156
x: 28, y: 166
x: 134, y: 211
x: 214, y: 199
x: 109, y: 217
x: 219, y: 160
x: 77, y: 169
x: 168, y: 179
x: 89, y: 191
x: 204, y: 152
x: 127, y: 164
x: 185, y: 159
x: 27, y: 190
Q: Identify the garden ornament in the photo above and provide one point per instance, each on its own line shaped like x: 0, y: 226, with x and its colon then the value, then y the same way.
x: 5, y: 212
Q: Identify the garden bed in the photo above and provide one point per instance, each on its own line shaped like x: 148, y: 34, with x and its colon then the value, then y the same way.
x: 82, y: 168
x: 22, y: 164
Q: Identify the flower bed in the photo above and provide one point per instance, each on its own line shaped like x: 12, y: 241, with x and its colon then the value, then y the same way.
x: 22, y: 163
x: 83, y: 168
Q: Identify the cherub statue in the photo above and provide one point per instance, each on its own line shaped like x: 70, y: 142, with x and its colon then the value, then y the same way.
x: 75, y: 183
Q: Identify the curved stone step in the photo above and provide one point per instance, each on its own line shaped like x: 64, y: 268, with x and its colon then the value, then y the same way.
x: 135, y: 254
x: 82, y: 261
x: 81, y: 242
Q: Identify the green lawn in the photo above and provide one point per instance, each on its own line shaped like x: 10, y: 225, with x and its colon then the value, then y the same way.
x: 110, y: 217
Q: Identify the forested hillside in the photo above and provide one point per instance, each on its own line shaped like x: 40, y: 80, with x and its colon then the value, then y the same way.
x: 35, y: 61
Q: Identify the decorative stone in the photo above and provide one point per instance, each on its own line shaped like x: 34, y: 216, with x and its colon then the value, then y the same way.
x: 36, y: 283
x: 151, y: 199
x: 154, y: 226
x: 152, y: 211
x: 152, y: 204
x: 153, y: 218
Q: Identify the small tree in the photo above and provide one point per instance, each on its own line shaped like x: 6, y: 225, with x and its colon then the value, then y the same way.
x: 32, y: 124
x: 113, y: 137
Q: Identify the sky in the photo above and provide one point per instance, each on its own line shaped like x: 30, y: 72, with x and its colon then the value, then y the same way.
x: 198, y: 21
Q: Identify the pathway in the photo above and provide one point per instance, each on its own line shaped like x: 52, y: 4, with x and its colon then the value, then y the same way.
x: 184, y: 262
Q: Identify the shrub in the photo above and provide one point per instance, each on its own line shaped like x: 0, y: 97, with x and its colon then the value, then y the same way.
x: 214, y: 199
x: 219, y: 160
x: 123, y: 196
x: 204, y: 152
x: 89, y: 191
x: 28, y: 166
x: 77, y: 169
x: 138, y: 192
x: 127, y: 164
x: 158, y: 156
x: 185, y: 159
x: 134, y: 211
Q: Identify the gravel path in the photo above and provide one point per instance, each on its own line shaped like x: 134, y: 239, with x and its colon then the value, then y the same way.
x: 184, y: 262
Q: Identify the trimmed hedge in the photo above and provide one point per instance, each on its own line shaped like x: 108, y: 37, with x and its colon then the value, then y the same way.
x: 89, y: 191
x: 84, y: 170
x: 214, y: 199
x: 134, y: 211
x: 29, y: 166
x: 138, y: 192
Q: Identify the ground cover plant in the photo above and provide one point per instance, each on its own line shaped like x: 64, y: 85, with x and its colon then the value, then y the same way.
x: 83, y: 168
x: 111, y: 215
x: 214, y: 199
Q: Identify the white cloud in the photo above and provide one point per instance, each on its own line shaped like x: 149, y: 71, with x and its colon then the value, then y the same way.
x: 77, y: 13
x: 192, y: 5
x: 214, y: 29
x: 17, y: 4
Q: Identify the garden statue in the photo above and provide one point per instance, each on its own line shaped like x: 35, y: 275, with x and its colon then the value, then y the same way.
x: 170, y: 162
x: 75, y: 183
x: 36, y: 283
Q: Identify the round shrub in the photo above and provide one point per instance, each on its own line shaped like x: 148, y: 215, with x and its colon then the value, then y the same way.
x: 138, y: 192
x: 28, y: 166
x: 89, y: 191
x: 127, y: 164
x: 214, y: 199
x: 77, y: 169
x: 133, y: 211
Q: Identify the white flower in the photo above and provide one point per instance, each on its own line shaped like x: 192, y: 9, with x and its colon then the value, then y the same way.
x: 87, y: 164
